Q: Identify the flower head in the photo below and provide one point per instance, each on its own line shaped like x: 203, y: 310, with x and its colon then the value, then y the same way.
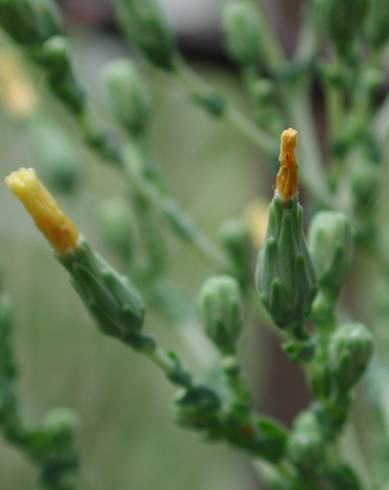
x: 287, y: 178
x: 48, y: 217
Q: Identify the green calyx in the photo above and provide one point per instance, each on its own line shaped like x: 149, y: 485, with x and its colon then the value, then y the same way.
x: 148, y: 27
x: 127, y: 95
x: 331, y: 246
x: 285, y: 276
x: 30, y: 22
x: 350, y: 352
x: 241, y: 25
x: 305, y: 444
x: 116, y: 305
x: 198, y: 408
x: 220, y: 305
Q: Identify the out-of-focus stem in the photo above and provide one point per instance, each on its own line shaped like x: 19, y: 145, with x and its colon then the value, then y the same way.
x: 197, y: 87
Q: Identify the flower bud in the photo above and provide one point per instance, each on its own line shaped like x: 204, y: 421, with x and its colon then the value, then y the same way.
x: 116, y: 226
x: 56, y: 155
x: 197, y: 408
x: 128, y: 96
x: 61, y: 422
x: 285, y: 276
x: 305, y: 444
x: 241, y: 25
x: 52, y: 446
x: 56, y: 60
x: 116, y: 306
x: 365, y: 179
x: 331, y: 246
x: 350, y: 352
x: 378, y: 27
x: 220, y: 306
x: 29, y: 22
x: 147, y: 26
x: 344, y: 21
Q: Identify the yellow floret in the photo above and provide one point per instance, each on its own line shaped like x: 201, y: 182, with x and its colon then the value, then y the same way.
x: 287, y: 178
x: 48, y: 217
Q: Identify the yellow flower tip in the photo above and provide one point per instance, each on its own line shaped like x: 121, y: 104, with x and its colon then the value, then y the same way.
x: 287, y: 178
x: 48, y: 217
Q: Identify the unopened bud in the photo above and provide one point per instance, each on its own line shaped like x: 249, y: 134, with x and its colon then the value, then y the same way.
x: 331, y: 247
x: 351, y: 349
x: 128, y: 95
x: 305, y: 444
x: 116, y: 225
x: 147, y: 26
x: 55, y: 59
x: 220, y: 306
x: 378, y: 27
x: 197, y: 408
x: 61, y: 422
x: 241, y: 24
x: 344, y: 21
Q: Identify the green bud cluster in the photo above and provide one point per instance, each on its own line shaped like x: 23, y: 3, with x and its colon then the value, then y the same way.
x: 147, y: 26
x: 350, y: 352
x: 331, y: 246
x: 241, y: 25
x: 285, y: 276
x: 116, y: 306
x: 128, y: 96
x: 220, y: 305
x: 30, y: 22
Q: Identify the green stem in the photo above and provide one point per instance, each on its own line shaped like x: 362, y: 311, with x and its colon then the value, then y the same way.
x: 181, y: 221
x: 130, y: 161
x: 199, y: 89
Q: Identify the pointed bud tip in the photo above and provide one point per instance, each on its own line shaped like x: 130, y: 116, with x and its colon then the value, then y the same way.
x: 48, y: 217
x: 287, y: 178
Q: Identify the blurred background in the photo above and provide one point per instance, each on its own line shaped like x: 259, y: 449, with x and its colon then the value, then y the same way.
x: 127, y: 433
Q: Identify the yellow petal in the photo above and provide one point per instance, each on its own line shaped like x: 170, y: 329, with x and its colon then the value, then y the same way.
x: 48, y: 217
x: 287, y: 178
